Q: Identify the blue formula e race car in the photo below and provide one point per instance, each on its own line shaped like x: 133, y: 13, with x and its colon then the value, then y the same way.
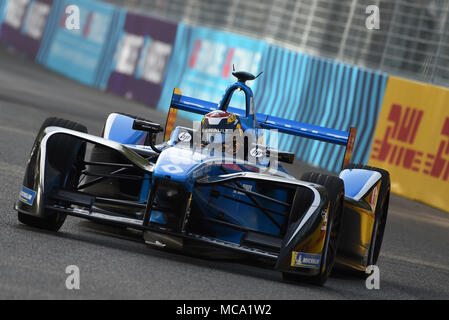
x: 218, y: 185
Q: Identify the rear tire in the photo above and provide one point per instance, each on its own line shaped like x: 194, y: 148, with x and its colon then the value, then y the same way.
x: 336, y: 190
x: 380, y: 214
x: 61, y: 148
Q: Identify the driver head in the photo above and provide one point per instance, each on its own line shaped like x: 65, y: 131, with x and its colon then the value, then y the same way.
x: 214, y: 127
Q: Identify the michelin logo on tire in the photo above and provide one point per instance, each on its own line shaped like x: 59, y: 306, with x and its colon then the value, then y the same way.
x: 27, y: 196
x: 306, y: 260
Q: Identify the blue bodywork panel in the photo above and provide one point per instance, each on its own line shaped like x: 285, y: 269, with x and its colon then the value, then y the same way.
x: 121, y: 130
x: 184, y: 166
x: 355, y: 180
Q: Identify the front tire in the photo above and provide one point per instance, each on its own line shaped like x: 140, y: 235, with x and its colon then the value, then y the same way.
x: 62, y: 148
x: 336, y: 190
x: 381, y: 211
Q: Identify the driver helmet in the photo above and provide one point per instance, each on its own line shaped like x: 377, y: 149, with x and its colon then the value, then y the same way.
x: 214, y: 127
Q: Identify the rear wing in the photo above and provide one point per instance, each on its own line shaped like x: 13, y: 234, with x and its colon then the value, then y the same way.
x: 345, y: 138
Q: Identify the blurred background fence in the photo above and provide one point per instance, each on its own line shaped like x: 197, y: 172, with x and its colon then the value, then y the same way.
x: 412, y: 42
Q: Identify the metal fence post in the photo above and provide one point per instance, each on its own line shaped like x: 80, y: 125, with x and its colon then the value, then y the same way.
x: 390, y: 27
x: 443, y: 28
x: 345, y: 33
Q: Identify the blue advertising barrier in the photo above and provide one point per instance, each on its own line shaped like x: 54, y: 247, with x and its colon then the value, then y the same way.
x: 202, y: 60
x: 23, y: 24
x: 322, y: 92
x: 3, y: 5
x: 82, y: 54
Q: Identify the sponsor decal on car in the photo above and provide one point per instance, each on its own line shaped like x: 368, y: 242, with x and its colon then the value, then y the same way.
x: 27, y: 196
x: 202, y: 171
x: 324, y: 217
x: 184, y: 136
x: 256, y: 152
x: 373, y: 199
x: 306, y: 260
x: 172, y: 168
x: 247, y: 187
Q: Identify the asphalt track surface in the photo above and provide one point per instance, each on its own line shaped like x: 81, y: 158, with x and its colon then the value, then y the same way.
x: 414, y: 262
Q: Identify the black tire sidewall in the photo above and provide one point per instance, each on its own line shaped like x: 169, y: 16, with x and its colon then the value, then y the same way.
x: 66, y: 150
x: 335, y: 189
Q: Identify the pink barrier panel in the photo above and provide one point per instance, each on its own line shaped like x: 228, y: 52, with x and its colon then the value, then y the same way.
x: 143, y: 51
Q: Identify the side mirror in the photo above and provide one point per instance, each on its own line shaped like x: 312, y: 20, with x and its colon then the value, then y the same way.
x: 284, y: 156
x: 152, y: 128
x: 147, y: 126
